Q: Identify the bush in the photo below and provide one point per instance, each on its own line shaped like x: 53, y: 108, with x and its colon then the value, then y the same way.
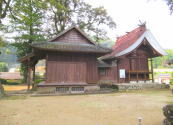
x: 10, y: 82
x: 38, y: 81
x: 13, y: 82
x: 3, y: 81
x: 3, y: 67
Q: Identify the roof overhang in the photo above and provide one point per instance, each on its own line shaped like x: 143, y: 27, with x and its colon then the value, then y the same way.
x: 146, y: 35
x: 71, y: 47
x: 152, y: 41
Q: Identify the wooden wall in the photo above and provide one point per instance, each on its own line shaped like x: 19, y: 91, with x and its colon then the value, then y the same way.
x: 137, y: 61
x: 134, y: 61
x: 110, y: 75
x: 72, y: 36
x: 71, y: 68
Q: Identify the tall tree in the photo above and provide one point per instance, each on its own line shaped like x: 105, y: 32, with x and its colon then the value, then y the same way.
x: 170, y: 4
x: 63, y: 13
x: 4, y: 8
x: 27, y: 24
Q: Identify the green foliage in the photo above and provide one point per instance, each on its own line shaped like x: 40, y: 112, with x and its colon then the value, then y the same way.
x: 13, y: 82
x: 10, y: 82
x: 170, y: 4
x: 64, y: 13
x: 3, y: 81
x: 160, y: 62
x: 3, y: 67
x: 27, y: 22
x: 4, y: 8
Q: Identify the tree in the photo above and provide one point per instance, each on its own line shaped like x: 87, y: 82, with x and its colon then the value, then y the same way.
x: 170, y: 4
x: 4, y: 8
x: 27, y: 23
x: 64, y: 13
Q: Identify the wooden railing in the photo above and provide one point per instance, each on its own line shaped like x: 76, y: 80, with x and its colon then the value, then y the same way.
x: 142, y: 75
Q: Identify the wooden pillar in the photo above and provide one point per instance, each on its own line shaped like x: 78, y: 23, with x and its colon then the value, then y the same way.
x: 152, y: 70
x: 33, y: 78
x: 129, y: 76
x: 145, y: 77
x: 29, y: 77
x: 117, y: 72
x: 137, y: 77
x: 130, y: 67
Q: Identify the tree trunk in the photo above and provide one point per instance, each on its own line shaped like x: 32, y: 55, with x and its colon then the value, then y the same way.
x: 2, y: 93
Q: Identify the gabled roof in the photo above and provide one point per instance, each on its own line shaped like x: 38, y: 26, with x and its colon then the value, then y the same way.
x: 129, y: 42
x: 70, y: 28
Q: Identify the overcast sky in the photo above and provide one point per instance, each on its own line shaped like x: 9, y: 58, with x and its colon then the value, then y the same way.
x: 127, y: 13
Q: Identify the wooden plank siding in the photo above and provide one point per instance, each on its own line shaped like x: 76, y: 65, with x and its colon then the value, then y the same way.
x: 110, y: 75
x: 135, y: 65
x: 71, y: 68
x: 72, y: 36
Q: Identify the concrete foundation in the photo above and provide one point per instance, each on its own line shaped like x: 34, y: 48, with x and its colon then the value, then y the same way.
x: 138, y: 86
x: 67, y: 89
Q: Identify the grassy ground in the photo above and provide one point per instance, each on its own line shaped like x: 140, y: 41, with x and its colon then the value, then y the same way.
x: 99, y: 109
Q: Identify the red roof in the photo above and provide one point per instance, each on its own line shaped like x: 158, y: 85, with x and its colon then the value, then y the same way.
x: 126, y: 41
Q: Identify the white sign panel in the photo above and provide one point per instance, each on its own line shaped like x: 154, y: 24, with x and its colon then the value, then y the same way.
x: 122, y: 73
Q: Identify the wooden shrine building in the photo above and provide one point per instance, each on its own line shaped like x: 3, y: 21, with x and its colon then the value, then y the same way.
x: 71, y: 61
x: 75, y: 63
x: 131, y: 57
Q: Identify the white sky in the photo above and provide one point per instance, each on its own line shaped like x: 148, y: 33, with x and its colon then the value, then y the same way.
x: 127, y: 13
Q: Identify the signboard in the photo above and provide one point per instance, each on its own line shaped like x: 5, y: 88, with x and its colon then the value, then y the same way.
x: 122, y: 73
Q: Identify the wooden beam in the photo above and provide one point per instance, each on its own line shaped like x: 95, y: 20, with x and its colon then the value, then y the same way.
x: 152, y: 70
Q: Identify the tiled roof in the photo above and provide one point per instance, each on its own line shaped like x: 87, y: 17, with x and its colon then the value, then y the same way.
x: 71, y: 47
x: 127, y: 40
x: 131, y: 41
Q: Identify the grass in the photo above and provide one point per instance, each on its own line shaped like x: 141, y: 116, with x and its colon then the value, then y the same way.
x: 20, y: 97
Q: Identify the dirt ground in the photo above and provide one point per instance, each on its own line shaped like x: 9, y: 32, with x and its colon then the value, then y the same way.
x: 99, y: 109
x: 14, y: 88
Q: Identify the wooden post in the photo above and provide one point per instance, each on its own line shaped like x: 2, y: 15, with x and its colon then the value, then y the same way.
x: 152, y: 70
x: 130, y: 69
x: 29, y: 77
x: 129, y: 76
x: 117, y: 72
x: 33, y: 79
x: 137, y: 77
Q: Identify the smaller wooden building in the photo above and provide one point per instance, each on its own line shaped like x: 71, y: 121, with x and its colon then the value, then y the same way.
x: 131, y: 57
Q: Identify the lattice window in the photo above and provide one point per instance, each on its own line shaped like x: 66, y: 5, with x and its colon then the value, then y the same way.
x: 62, y: 89
x: 77, y: 89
